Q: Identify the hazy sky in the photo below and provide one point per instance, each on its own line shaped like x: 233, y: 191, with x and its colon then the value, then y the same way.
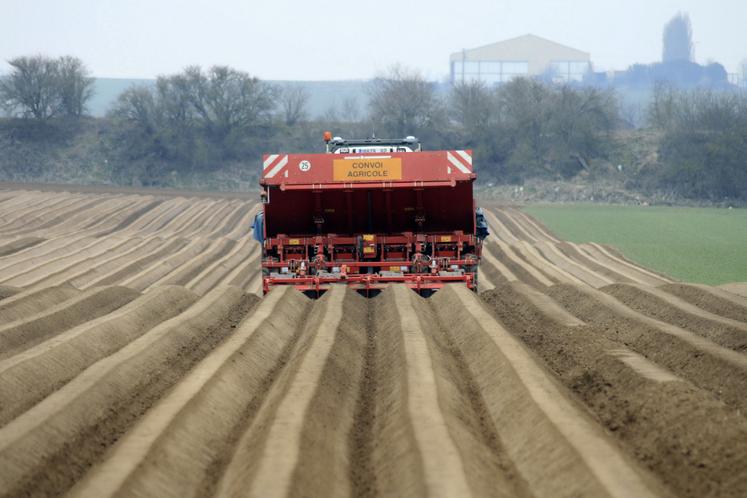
x: 319, y: 39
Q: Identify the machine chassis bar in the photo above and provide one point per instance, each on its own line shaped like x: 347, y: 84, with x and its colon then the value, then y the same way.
x: 368, y: 282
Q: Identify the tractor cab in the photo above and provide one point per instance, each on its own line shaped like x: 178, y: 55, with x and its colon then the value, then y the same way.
x: 338, y: 145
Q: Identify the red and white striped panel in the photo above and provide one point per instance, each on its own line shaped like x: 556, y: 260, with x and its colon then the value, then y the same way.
x: 461, y: 160
x: 274, y: 164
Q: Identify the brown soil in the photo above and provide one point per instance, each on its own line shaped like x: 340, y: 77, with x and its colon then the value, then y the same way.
x: 189, y: 271
x: 140, y: 264
x: 22, y: 305
x: 515, y: 267
x: 546, y: 386
x: 8, y: 290
x: 130, y: 218
x: 710, y: 299
x: 19, y: 245
x: 727, y: 333
x: 110, y: 399
x: 21, y: 334
x: 703, y: 365
x: 737, y: 288
x: 616, y: 253
x: 29, y: 377
x: 679, y: 431
x: 111, y: 189
x: 575, y: 254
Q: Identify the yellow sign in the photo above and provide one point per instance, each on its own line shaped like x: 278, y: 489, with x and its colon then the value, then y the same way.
x: 367, y: 169
x: 294, y: 242
x: 369, y: 237
x: 369, y: 250
x: 446, y: 238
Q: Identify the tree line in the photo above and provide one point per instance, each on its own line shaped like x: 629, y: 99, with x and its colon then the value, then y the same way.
x: 703, y: 148
x: 43, y: 88
x: 207, y: 121
x: 194, y: 120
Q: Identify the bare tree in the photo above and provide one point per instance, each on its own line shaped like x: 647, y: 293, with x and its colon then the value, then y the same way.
x: 293, y: 101
x: 678, y: 39
x: 350, y: 110
x: 41, y: 88
x: 632, y: 113
x: 472, y: 105
x: 174, y: 97
x: 74, y: 85
x: 31, y: 89
x: 703, y: 144
x: 136, y: 105
x: 404, y: 103
x: 662, y: 109
x: 194, y: 120
x: 221, y: 100
x: 331, y: 114
x: 550, y: 130
x: 227, y: 100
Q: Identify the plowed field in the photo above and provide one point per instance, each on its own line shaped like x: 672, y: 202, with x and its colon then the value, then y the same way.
x: 138, y: 359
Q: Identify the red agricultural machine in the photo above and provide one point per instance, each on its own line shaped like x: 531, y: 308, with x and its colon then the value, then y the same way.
x: 367, y: 213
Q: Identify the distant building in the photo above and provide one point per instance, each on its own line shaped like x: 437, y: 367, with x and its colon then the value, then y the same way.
x: 526, y: 55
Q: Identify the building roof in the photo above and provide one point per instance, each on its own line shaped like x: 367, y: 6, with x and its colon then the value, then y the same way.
x: 521, y: 48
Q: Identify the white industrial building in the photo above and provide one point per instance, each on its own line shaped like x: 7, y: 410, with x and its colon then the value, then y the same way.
x: 527, y: 55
